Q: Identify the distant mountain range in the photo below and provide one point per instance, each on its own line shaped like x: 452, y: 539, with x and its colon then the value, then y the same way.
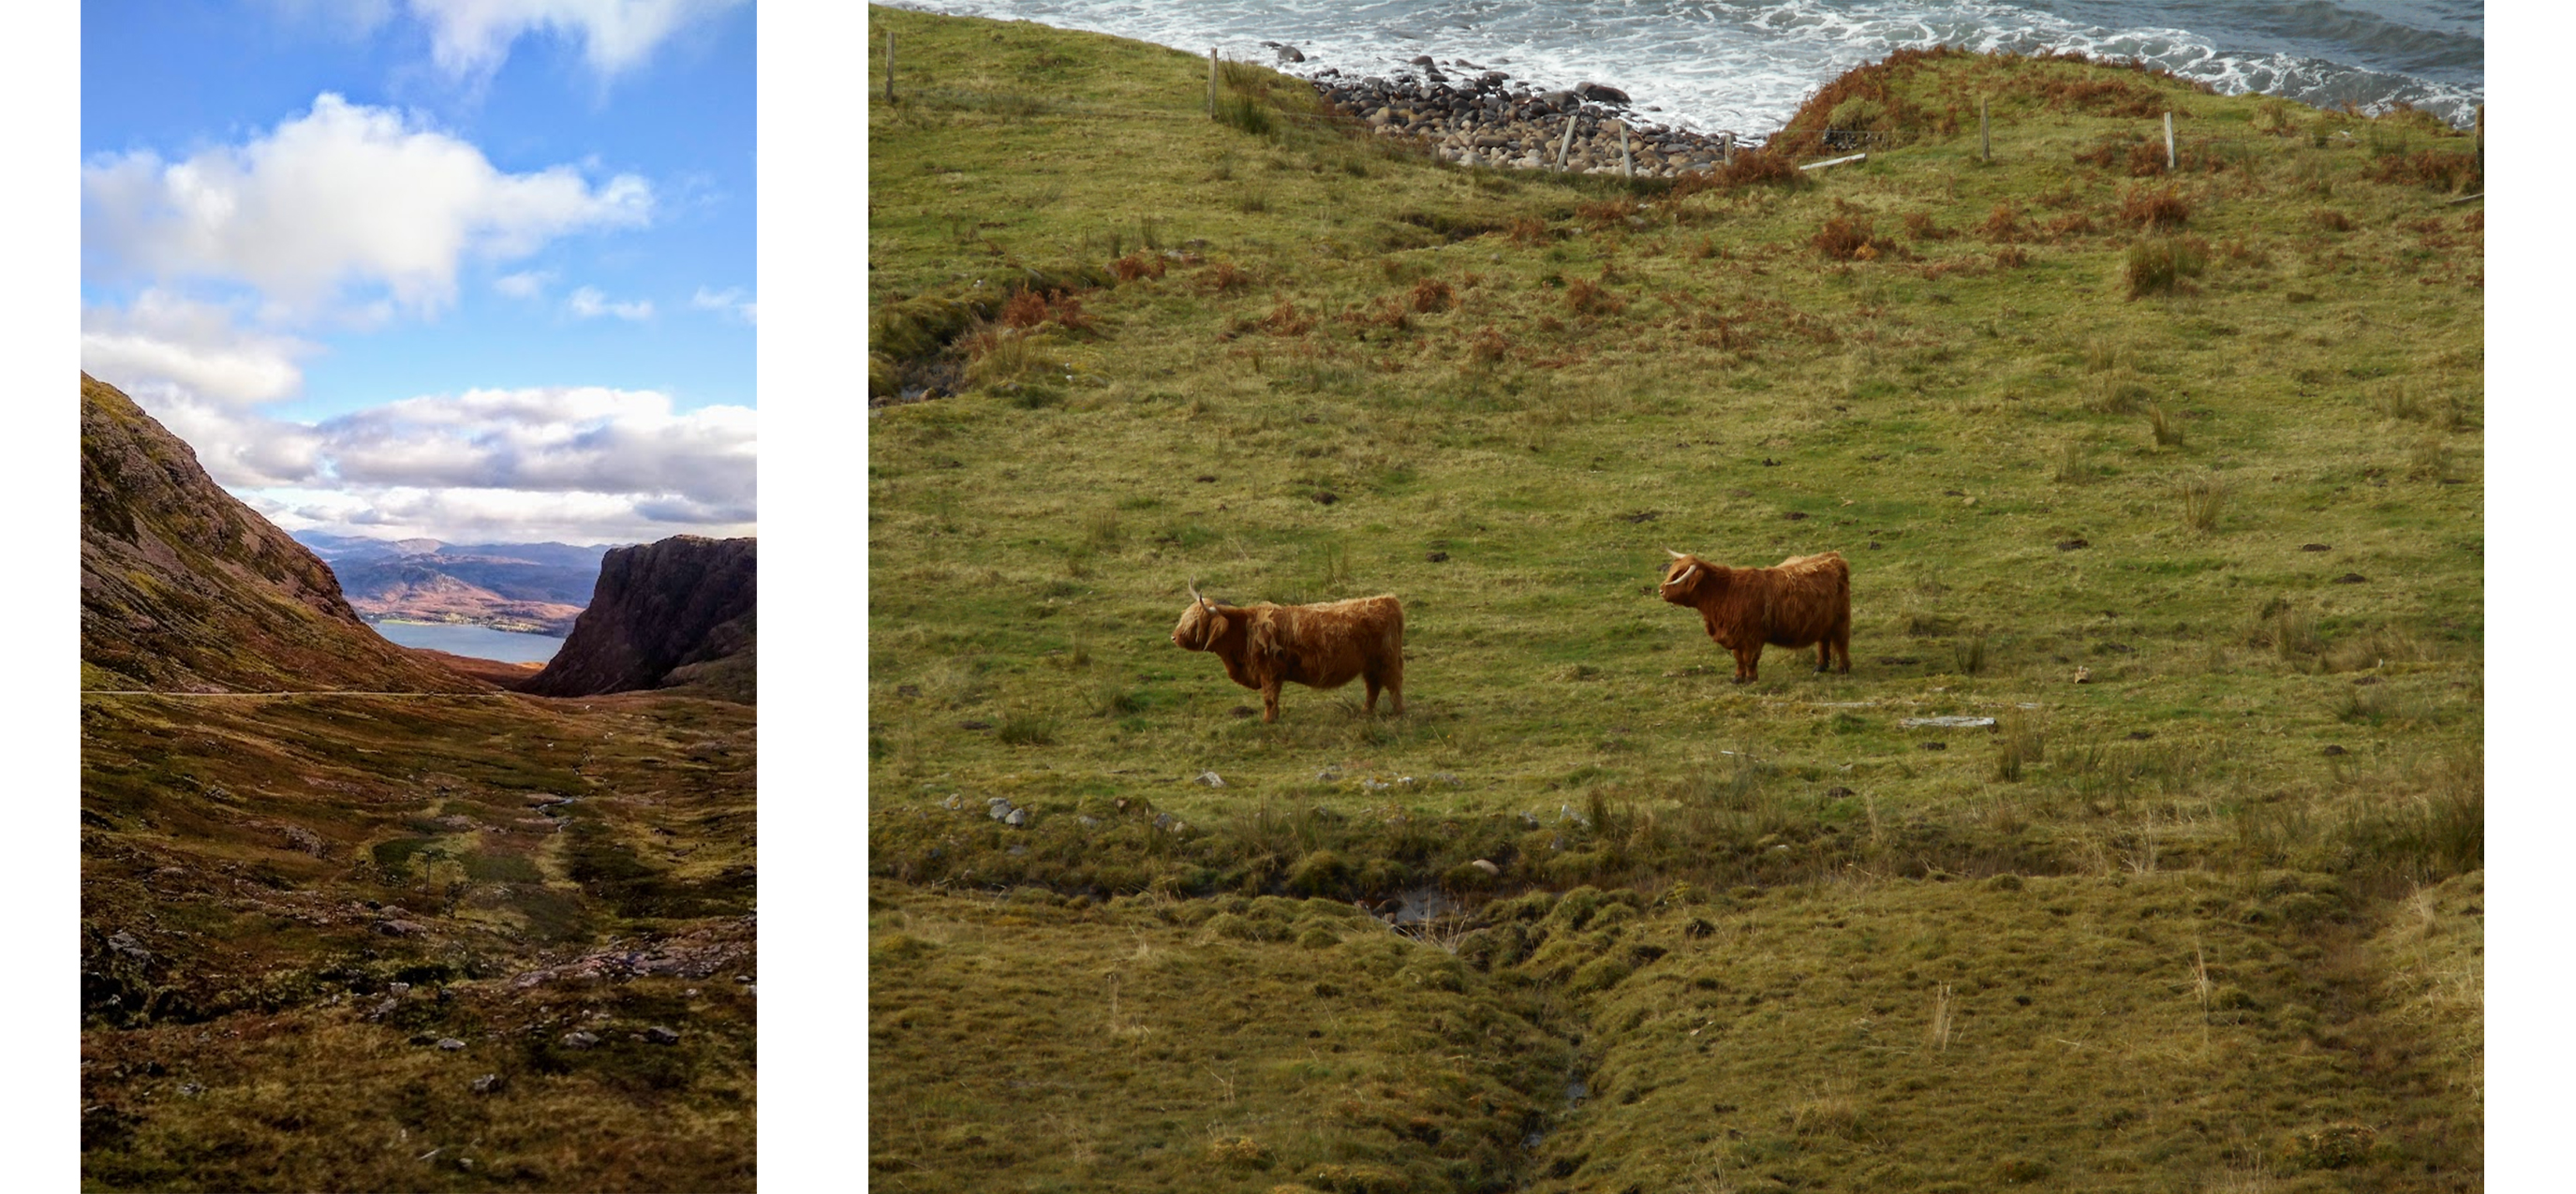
x: 539, y: 587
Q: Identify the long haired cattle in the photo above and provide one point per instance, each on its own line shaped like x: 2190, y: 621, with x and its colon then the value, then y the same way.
x: 1805, y: 600
x: 1320, y: 646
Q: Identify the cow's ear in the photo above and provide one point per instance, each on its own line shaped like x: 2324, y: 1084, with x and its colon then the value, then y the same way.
x: 1216, y: 626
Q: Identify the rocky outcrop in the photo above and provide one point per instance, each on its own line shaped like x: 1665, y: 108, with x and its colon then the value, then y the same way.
x: 184, y: 588
x: 677, y: 613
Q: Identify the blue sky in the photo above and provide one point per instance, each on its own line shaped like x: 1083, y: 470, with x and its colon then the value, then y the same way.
x: 476, y: 270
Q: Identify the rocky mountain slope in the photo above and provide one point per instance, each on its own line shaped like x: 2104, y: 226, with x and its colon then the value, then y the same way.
x: 185, y: 588
x: 676, y: 613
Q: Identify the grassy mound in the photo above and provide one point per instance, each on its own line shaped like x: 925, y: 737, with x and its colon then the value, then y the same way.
x: 2173, y: 473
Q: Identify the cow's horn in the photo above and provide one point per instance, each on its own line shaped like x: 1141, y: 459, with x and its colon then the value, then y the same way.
x: 1675, y: 554
x: 1686, y: 574
x: 1194, y: 591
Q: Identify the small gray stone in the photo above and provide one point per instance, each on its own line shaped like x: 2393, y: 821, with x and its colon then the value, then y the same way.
x: 953, y: 803
x: 451, y: 1044
x: 487, y: 1084
x: 1211, y: 779
x: 1019, y: 817
x: 659, y: 1035
x: 1487, y: 866
x: 191, y: 1089
x: 580, y: 1040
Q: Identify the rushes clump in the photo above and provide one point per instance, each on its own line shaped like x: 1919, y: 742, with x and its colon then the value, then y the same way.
x: 2202, y: 499
x: 2018, y: 744
x: 1970, y: 653
x: 2159, y: 266
x: 2166, y: 424
x: 2071, y: 465
x: 2116, y: 392
x: 1020, y: 727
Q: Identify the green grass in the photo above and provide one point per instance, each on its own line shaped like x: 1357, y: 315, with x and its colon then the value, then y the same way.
x: 282, y: 862
x: 1955, y: 414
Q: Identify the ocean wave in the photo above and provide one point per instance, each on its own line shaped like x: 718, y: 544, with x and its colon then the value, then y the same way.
x: 1710, y: 65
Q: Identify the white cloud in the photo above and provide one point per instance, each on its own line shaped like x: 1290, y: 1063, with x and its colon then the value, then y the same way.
x: 344, y: 205
x: 575, y: 463
x: 729, y: 299
x: 589, y: 303
x: 473, y: 37
x: 166, y: 337
x: 565, y: 440
x: 483, y: 515
x: 238, y: 448
x: 524, y: 284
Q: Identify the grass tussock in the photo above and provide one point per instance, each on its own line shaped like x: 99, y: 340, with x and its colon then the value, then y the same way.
x: 2203, y: 500
x: 2164, y: 265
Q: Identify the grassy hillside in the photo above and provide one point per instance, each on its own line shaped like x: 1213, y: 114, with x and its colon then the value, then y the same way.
x: 2206, y: 440
x: 341, y: 942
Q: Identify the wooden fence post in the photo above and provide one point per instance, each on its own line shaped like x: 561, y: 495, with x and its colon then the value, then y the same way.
x: 1626, y: 163
x: 1728, y: 148
x: 2169, y: 152
x: 1985, y: 145
x: 1566, y: 146
x: 1211, y: 82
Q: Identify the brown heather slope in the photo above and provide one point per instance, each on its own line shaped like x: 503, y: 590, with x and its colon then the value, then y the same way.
x: 678, y: 613
x: 184, y: 588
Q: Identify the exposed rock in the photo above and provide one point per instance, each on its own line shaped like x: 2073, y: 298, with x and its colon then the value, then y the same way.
x: 1487, y: 866
x: 488, y: 1084
x: 580, y: 1040
x: 127, y: 945
x: 679, y: 612
x: 450, y: 1044
x: 659, y: 1035
x: 1211, y: 779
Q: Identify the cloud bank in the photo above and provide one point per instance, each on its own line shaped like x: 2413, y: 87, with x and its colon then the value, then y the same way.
x: 581, y: 462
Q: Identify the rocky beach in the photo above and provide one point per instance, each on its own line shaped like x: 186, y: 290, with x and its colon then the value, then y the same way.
x: 1478, y: 117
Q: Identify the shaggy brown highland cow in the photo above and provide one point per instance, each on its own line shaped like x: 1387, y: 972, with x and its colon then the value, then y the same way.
x: 1806, y: 599
x: 1320, y: 646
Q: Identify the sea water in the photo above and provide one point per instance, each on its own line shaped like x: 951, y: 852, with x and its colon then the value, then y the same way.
x: 1745, y: 67
x: 476, y: 642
